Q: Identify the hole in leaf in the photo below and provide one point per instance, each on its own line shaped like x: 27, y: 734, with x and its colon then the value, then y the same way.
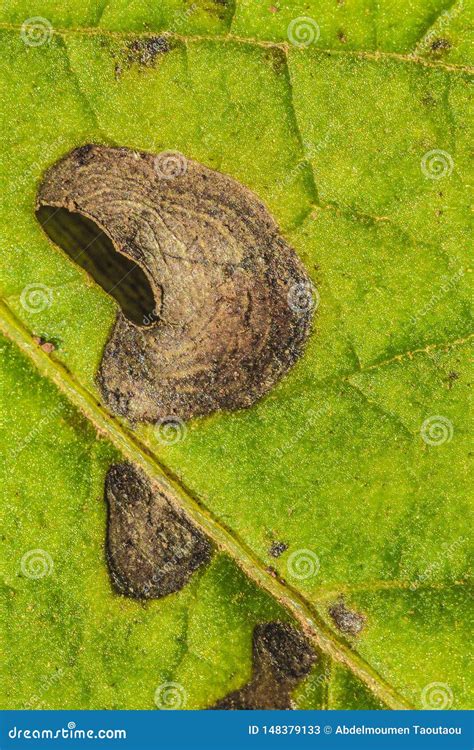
x: 89, y: 247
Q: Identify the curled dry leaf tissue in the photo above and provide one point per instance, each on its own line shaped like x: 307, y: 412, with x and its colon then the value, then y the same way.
x: 223, y: 330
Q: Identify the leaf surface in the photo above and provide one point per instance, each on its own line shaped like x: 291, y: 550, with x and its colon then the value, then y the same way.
x: 335, y: 461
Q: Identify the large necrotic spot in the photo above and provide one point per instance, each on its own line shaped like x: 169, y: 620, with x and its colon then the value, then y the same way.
x: 153, y: 548
x: 234, y: 301
x: 282, y: 658
x: 88, y: 246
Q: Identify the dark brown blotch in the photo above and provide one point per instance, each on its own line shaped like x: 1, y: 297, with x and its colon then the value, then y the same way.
x: 282, y: 658
x: 347, y: 620
x: 225, y: 328
x: 152, y: 547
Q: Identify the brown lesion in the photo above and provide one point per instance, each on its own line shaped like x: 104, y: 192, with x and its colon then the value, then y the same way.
x: 347, y: 620
x: 146, y: 51
x: 218, y: 268
x: 282, y: 658
x: 152, y: 546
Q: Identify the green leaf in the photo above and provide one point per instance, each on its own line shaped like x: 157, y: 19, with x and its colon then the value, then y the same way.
x: 357, y: 461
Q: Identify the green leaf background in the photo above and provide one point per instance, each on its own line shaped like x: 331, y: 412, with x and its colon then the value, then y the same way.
x: 333, y: 138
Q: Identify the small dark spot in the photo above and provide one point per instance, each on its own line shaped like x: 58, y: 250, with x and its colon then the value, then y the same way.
x: 452, y: 377
x: 222, y: 9
x: 273, y: 9
x: 272, y: 571
x: 341, y: 36
x: 83, y: 153
x: 277, y: 549
x: 282, y: 657
x: 152, y: 547
x: 347, y: 620
x: 276, y: 58
x: 428, y: 100
x: 145, y: 51
x: 438, y: 45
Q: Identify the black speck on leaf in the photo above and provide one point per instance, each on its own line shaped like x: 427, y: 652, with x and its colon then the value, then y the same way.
x: 277, y: 549
x: 438, y: 45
